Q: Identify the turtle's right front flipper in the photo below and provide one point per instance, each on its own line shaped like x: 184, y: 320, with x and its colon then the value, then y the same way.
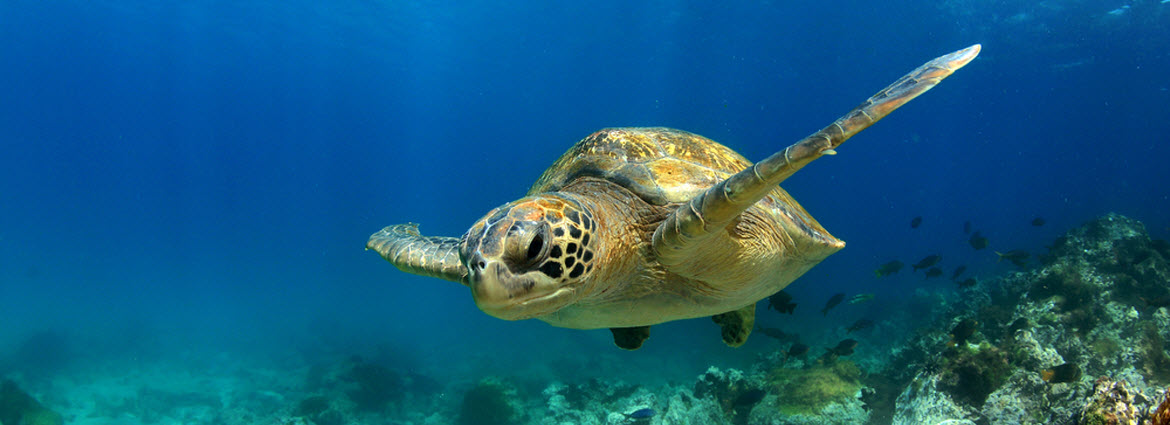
x: 433, y: 256
x: 684, y: 231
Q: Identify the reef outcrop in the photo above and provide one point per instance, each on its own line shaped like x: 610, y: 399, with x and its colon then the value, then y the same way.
x: 1081, y: 339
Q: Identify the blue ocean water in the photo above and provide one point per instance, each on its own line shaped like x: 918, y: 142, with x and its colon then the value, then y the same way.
x: 185, y: 178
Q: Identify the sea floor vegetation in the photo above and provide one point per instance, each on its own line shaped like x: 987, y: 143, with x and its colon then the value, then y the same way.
x: 1081, y: 337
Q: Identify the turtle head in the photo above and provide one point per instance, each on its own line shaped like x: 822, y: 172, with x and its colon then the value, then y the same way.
x: 530, y: 257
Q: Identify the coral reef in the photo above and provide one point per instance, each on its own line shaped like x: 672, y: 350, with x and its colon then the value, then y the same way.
x: 1095, y: 305
x: 1080, y: 339
x: 1110, y: 404
x: 19, y: 408
x: 731, y: 391
x: 806, y: 391
x: 971, y: 374
x: 595, y: 402
x: 723, y: 387
x: 489, y: 403
x: 923, y: 403
x: 374, y: 386
x: 319, y: 409
x: 1161, y: 415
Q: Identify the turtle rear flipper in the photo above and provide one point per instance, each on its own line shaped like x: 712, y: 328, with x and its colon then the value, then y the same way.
x: 411, y: 252
x: 736, y: 325
x: 678, y: 237
x: 630, y: 338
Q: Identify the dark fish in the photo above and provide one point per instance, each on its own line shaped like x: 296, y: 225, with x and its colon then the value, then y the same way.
x: 1038, y: 221
x: 933, y: 272
x: 977, y: 241
x: 1068, y: 372
x: 966, y: 227
x: 859, y: 325
x: 917, y: 221
x: 779, y: 335
x: 781, y: 302
x: 1020, y: 323
x: 1018, y: 257
x: 963, y: 330
x: 641, y: 414
x: 749, y: 398
x: 836, y: 299
x: 888, y: 268
x: 927, y: 262
x: 1156, y: 302
x: 844, y: 348
x: 967, y: 283
x: 958, y: 271
x: 797, y: 349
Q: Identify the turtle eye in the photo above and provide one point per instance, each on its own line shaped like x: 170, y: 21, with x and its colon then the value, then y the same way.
x: 535, y: 247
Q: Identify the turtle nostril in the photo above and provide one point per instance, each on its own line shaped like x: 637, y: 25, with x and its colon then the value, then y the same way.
x: 476, y: 263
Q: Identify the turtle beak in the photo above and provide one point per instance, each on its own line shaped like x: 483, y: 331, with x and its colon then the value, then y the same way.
x: 504, y: 295
x: 487, y: 288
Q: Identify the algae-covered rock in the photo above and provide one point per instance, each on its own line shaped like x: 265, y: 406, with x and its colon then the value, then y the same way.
x: 970, y: 375
x: 728, y: 389
x: 596, y: 402
x: 1161, y: 415
x: 17, y: 407
x: 804, y: 391
x: 1110, y: 404
x: 923, y: 403
x: 374, y: 386
x: 489, y: 403
x: 1027, y: 399
x: 685, y: 408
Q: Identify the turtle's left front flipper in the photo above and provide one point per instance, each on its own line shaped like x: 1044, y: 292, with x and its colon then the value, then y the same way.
x: 684, y: 230
x: 411, y: 252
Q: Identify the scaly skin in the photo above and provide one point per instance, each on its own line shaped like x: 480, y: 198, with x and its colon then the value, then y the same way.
x: 637, y: 226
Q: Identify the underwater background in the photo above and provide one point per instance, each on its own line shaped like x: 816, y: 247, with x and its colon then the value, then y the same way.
x: 186, y: 188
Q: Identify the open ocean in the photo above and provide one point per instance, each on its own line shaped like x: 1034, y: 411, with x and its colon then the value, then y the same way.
x: 186, y: 190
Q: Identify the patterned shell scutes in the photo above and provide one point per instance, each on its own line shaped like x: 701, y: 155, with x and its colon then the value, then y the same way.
x: 659, y: 165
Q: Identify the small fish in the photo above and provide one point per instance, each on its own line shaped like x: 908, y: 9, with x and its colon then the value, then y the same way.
x: 888, y: 268
x: 860, y: 298
x: 963, y: 330
x: 1018, y: 257
x: 779, y: 335
x: 749, y: 398
x: 781, y: 302
x: 917, y: 221
x: 1068, y: 372
x: 641, y: 414
x: 1156, y: 302
x: 933, y: 272
x: 859, y: 325
x: 966, y: 227
x: 978, y: 241
x: 927, y: 262
x: 1038, y: 221
x: 1020, y: 323
x: 844, y: 348
x: 967, y: 283
x: 836, y: 299
x: 797, y: 349
x: 958, y: 271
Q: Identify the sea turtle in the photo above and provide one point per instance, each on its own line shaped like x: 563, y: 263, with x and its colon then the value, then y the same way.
x: 638, y: 226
